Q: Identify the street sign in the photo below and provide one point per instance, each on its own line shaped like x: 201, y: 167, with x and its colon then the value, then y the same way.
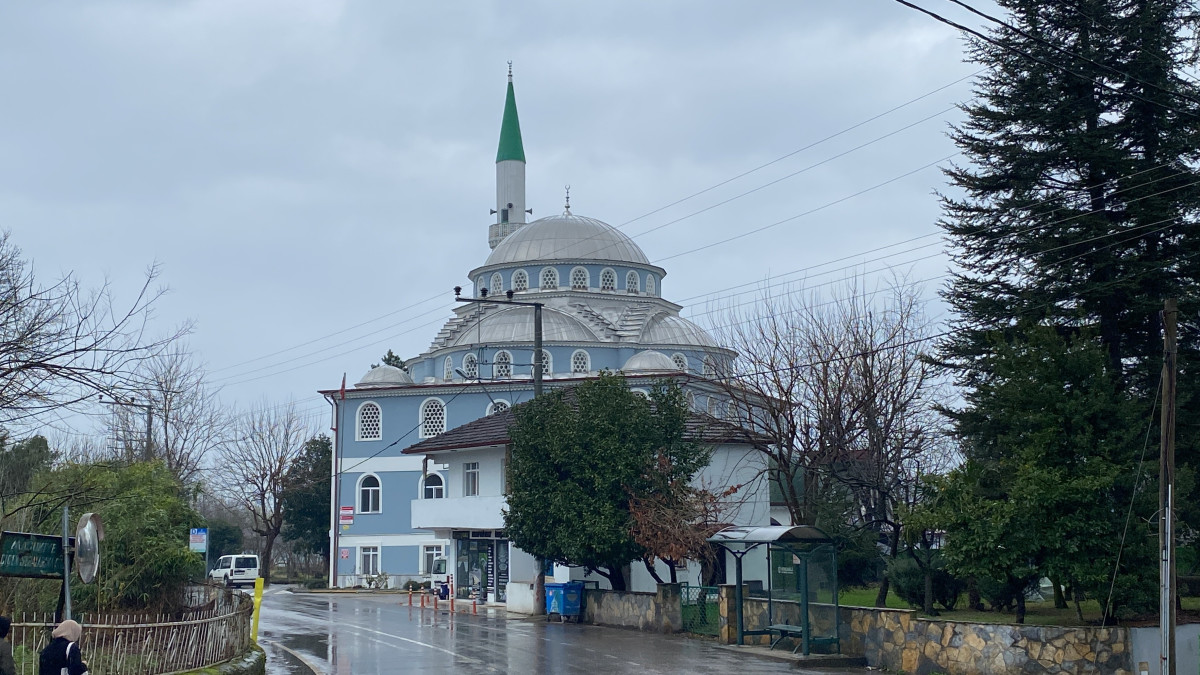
x: 346, y: 515
x: 38, y: 556
x: 344, y: 554
x: 198, y: 540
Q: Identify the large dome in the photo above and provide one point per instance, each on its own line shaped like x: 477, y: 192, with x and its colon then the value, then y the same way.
x: 516, y: 325
x: 668, y: 329
x: 566, y: 237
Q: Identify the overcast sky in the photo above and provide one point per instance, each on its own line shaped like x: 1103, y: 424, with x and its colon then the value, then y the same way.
x: 319, y: 173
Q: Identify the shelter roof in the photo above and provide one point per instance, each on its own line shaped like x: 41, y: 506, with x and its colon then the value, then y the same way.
x: 782, y: 534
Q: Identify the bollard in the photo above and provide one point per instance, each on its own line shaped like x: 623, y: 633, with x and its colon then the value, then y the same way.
x: 410, y: 597
x: 435, y: 602
x: 474, y: 607
x: 423, y: 595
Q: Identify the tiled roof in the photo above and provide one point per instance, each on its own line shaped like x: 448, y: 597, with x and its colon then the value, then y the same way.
x: 493, y: 430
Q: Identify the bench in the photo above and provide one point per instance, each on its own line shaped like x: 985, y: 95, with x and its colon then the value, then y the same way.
x: 797, y: 633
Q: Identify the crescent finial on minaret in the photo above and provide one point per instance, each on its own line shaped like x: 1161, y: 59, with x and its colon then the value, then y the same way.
x: 567, y: 208
x: 510, y: 71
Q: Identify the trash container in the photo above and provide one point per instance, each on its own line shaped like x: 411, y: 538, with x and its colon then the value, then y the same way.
x: 565, y: 600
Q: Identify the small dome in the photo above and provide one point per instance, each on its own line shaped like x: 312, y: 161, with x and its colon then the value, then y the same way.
x: 650, y: 362
x: 516, y: 325
x: 669, y: 329
x: 384, y: 376
x: 566, y: 237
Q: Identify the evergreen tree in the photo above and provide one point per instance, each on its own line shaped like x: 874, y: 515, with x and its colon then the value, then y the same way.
x: 1075, y: 213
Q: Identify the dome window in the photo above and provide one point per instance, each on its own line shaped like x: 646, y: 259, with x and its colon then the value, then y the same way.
x: 479, y: 286
x: 502, y: 367
x: 649, y: 284
x: 470, y: 366
x: 580, y: 279
x: 433, y: 417
x: 498, y: 284
x: 581, y: 363
x: 497, y: 406
x: 547, y: 363
x: 632, y: 284
x: 549, y: 279
x: 710, y: 369
x: 691, y: 400
x: 680, y: 361
x: 520, y: 281
x: 370, y: 423
x: 448, y: 369
x: 608, y: 280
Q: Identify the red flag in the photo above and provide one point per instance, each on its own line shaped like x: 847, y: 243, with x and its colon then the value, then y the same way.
x: 342, y: 392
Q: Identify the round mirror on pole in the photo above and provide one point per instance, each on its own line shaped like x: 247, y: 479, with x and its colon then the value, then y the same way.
x: 88, y: 536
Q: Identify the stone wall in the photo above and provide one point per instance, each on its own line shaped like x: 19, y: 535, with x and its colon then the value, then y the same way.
x: 659, y: 612
x: 900, y: 641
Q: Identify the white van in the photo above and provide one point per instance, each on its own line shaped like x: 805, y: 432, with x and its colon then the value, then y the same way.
x: 232, y: 570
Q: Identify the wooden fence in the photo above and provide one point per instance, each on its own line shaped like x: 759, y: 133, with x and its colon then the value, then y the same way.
x: 147, y: 644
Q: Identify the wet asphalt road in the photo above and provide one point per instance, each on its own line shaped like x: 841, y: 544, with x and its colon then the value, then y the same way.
x: 358, y: 634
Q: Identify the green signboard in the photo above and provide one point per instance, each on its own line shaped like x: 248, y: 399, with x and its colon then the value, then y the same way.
x: 31, y: 555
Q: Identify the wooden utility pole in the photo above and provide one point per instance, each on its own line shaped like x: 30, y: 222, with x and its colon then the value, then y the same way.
x: 1166, y: 487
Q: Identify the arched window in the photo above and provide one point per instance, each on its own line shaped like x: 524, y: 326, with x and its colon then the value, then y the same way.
x: 691, y: 400
x: 370, y: 423
x: 433, y: 487
x: 649, y: 284
x: 680, y: 361
x: 448, y: 369
x: 631, y: 282
x: 499, y: 405
x: 549, y: 279
x: 520, y: 281
x: 471, y: 366
x: 502, y: 366
x: 608, y: 280
x: 479, y: 286
x: 369, y: 494
x: 433, y: 417
x: 547, y: 363
x: 643, y: 393
x: 498, y: 284
x: 580, y: 279
x: 709, y: 368
x: 581, y: 363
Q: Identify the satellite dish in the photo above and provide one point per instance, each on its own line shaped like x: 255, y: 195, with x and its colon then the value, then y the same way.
x: 88, y: 536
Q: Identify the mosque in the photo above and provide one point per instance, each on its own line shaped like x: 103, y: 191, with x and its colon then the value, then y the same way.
x: 604, y: 308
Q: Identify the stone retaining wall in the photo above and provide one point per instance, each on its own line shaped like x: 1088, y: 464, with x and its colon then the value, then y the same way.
x: 660, y: 612
x: 900, y: 641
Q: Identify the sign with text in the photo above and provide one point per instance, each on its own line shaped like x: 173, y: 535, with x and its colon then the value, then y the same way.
x: 198, y: 540
x: 346, y: 515
x: 38, y: 556
x: 344, y: 554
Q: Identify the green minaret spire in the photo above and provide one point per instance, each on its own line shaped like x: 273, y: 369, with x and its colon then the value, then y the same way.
x: 510, y: 129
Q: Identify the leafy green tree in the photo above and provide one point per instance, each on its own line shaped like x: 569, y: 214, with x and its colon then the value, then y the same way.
x: 1052, y: 447
x: 306, y: 497
x: 224, y: 538
x: 390, y: 359
x: 580, y: 456
x: 19, y: 463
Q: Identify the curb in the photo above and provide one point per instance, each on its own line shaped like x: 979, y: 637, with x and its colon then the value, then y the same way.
x: 253, y: 662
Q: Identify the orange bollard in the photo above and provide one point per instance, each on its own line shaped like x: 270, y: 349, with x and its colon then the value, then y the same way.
x: 474, y: 607
x: 410, y: 597
x: 423, y: 601
x: 435, y: 602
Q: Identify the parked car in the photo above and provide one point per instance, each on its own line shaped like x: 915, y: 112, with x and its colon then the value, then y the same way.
x: 232, y: 570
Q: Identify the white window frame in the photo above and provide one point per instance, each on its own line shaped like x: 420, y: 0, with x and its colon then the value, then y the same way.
x: 471, y: 470
x: 586, y: 279
x: 358, y: 415
x: 636, y: 287
x: 358, y: 492
x: 470, y: 366
x: 497, y: 284
x: 643, y: 393
x: 376, y: 552
x: 520, y: 281
x: 553, y: 273
x: 421, y: 431
x: 691, y: 400
x: 608, y: 274
x: 587, y: 365
x: 679, y: 357
x: 491, y: 408
x: 448, y: 369
x: 502, y: 368
x: 650, y: 286
x: 438, y: 550
x: 421, y: 487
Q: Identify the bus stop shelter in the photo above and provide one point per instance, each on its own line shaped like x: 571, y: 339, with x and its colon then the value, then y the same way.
x: 801, y: 567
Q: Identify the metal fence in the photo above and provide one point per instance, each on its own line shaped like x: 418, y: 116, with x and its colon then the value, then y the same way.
x: 218, y: 629
x: 700, y: 611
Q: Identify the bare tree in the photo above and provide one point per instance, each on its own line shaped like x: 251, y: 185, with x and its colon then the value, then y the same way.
x: 61, y: 345
x: 186, y: 418
x: 841, y: 384
x: 269, y: 440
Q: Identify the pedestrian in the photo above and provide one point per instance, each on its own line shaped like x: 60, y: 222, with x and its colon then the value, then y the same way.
x: 61, y: 656
x: 7, y: 667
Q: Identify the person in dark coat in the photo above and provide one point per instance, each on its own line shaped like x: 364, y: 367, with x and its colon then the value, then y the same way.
x: 61, y: 656
x: 7, y: 667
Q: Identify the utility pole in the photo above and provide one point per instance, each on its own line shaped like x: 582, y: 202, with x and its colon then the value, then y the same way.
x: 539, y: 578
x: 1166, y: 488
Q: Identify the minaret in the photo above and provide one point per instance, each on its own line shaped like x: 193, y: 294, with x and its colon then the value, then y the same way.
x: 510, y: 172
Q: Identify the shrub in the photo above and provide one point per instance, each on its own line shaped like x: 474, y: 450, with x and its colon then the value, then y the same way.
x: 1002, y: 595
x: 908, y: 581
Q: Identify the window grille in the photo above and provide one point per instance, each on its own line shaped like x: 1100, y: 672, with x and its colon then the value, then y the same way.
x: 649, y: 284
x: 497, y: 284
x: 549, y: 279
x: 680, y: 361
x: 471, y: 366
x: 580, y: 279
x: 520, y: 281
x: 479, y: 286
x: 448, y: 369
x: 709, y: 368
x: 368, y: 495
x: 608, y: 280
x: 547, y: 363
x: 581, y: 363
x: 433, y: 418
x: 497, y: 407
x: 370, y: 422
x: 631, y: 282
x: 502, y: 367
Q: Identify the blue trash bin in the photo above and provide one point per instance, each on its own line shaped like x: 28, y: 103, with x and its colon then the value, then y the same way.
x: 565, y: 600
